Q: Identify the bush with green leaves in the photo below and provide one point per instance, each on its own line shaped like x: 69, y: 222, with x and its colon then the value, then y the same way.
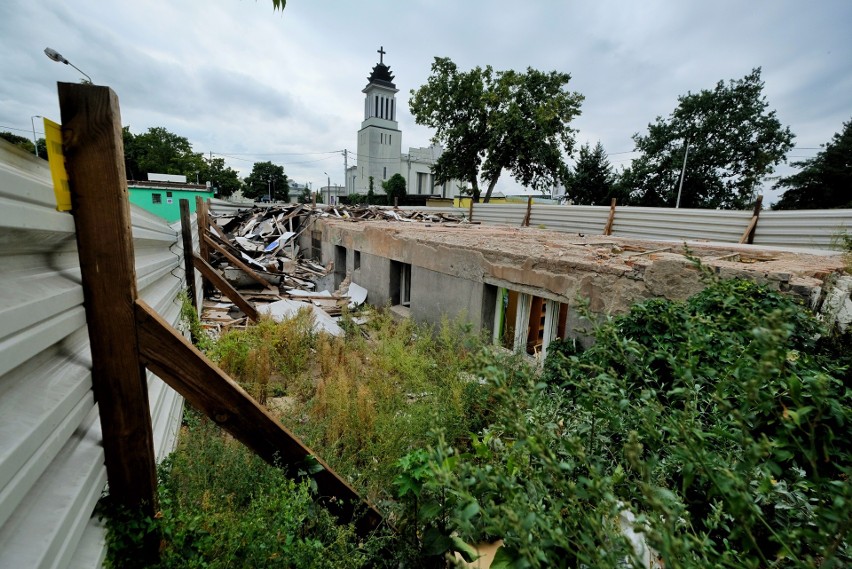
x: 723, y: 423
x: 222, y: 507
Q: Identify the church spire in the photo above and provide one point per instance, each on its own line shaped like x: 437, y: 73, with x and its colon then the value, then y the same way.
x: 381, y: 74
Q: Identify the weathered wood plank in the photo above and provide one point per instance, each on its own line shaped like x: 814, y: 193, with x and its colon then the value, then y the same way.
x: 237, y: 262
x: 608, y: 227
x: 169, y: 355
x: 217, y: 280
x: 201, y: 216
x: 94, y: 152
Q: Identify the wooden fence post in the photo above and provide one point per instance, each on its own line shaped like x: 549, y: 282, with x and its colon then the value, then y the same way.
x: 611, y: 219
x: 748, y: 234
x: 94, y: 152
x: 526, y: 221
x: 201, y: 216
x: 188, y: 265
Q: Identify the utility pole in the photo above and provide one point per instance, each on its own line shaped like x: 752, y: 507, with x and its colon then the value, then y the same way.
x: 346, y: 171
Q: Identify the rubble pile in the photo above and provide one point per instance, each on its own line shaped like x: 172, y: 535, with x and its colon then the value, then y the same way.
x: 257, y: 252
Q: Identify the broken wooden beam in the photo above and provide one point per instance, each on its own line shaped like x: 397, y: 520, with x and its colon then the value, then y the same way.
x: 237, y: 262
x: 177, y: 362
x: 217, y: 280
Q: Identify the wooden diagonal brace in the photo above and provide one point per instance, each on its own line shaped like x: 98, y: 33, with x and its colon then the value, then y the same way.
x: 242, y: 265
x: 217, y: 280
x: 177, y: 362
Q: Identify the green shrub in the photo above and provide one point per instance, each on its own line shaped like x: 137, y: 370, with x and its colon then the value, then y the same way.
x: 722, y: 422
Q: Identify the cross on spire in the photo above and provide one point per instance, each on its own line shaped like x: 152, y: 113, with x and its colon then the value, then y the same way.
x: 381, y: 51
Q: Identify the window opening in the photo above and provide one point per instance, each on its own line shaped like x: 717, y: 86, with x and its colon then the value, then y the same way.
x: 156, y: 198
x: 356, y: 260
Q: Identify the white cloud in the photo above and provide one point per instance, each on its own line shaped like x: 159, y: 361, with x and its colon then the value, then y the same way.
x: 237, y: 77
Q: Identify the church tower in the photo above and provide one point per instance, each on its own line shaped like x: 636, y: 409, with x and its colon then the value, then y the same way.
x: 379, y: 140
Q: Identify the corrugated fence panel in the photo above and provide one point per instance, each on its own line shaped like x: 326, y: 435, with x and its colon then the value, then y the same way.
x: 680, y: 224
x: 51, y: 459
x: 585, y: 219
x: 500, y: 214
x: 814, y: 229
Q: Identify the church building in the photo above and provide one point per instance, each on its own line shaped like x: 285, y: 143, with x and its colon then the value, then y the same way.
x: 380, y: 145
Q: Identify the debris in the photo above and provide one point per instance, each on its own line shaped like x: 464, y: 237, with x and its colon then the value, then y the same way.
x: 257, y: 247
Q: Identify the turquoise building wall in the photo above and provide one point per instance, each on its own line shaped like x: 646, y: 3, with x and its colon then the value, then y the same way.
x: 167, y: 205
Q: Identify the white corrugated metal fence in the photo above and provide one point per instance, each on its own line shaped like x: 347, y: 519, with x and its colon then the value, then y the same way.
x: 51, y: 461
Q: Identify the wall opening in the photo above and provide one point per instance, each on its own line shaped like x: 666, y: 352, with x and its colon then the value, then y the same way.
x: 400, y: 283
x: 339, y: 265
x: 316, y: 245
x: 527, y: 322
x: 356, y: 260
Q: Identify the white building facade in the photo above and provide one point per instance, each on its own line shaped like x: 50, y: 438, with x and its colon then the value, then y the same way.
x: 379, y: 153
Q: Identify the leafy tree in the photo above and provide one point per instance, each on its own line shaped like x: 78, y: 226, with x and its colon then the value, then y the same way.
x: 394, y: 188
x: 224, y: 179
x: 19, y: 141
x: 593, y: 181
x: 160, y: 151
x: 733, y: 143
x: 267, y: 178
x: 490, y: 121
x: 825, y: 180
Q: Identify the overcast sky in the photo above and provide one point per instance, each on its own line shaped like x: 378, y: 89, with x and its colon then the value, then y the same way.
x: 251, y: 84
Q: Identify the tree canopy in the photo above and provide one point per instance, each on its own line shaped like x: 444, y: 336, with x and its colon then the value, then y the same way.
x: 733, y: 142
x: 223, y: 179
x: 825, y: 180
x: 490, y: 121
x: 25, y: 143
x: 394, y: 188
x: 267, y: 178
x: 160, y: 151
x: 592, y: 181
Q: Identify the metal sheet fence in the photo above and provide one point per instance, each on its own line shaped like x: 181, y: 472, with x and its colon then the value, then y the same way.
x: 51, y: 461
x: 808, y: 229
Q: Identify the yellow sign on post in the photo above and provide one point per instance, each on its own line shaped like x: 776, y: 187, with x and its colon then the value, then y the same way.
x: 61, y: 189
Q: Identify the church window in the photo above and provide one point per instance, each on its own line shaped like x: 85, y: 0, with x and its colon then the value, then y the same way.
x: 387, y: 105
x: 376, y: 112
x: 390, y: 138
x: 384, y: 172
x: 391, y: 114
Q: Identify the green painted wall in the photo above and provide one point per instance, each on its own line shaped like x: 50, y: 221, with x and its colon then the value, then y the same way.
x: 169, y: 205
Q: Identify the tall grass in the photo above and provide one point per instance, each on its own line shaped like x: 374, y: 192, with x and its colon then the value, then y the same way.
x: 364, y: 400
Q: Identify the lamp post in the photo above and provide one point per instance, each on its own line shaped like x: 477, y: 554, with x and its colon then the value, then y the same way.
x: 269, y: 189
x: 35, y: 142
x: 328, y: 192
x: 56, y: 56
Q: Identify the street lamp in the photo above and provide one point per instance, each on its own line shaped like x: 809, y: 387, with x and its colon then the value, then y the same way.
x: 328, y: 200
x: 35, y: 142
x: 56, y: 56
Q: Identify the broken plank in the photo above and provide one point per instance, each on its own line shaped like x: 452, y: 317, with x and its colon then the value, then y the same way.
x: 237, y: 263
x: 224, y: 287
x: 209, y: 389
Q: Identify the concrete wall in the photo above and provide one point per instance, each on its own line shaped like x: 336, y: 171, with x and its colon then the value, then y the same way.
x: 456, y: 270
x: 471, y: 301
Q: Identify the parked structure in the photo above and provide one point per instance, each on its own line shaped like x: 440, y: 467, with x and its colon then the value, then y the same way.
x: 162, y: 197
